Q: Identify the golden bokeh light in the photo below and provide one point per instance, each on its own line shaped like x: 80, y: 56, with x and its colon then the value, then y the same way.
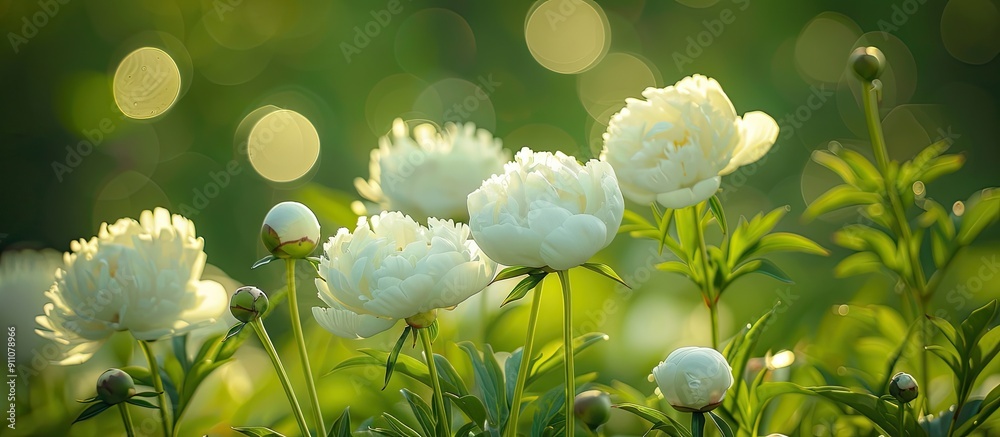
x: 970, y: 30
x: 459, y: 101
x: 780, y: 360
x: 282, y: 145
x: 147, y: 83
x: 567, y: 36
x: 618, y: 76
x: 825, y: 34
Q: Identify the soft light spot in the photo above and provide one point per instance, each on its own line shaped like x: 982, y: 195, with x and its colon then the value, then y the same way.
x: 843, y: 310
x: 567, y: 36
x: 283, y: 145
x: 781, y: 359
x: 826, y: 34
x: 970, y: 30
x: 147, y: 83
x: 604, y: 88
x: 958, y: 208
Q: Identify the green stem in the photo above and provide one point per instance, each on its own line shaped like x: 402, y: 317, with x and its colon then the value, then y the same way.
x: 707, y: 289
x: 568, y: 349
x: 918, y: 282
x: 444, y: 422
x: 523, y: 369
x: 902, y: 419
x: 300, y: 342
x: 258, y: 327
x: 126, y: 418
x: 697, y: 424
x: 154, y: 370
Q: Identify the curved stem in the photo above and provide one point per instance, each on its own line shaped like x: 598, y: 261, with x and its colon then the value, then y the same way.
x: 568, y: 350
x: 154, y: 371
x: 697, y: 424
x: 126, y: 418
x: 918, y: 282
x: 258, y: 327
x: 902, y: 419
x: 523, y: 369
x: 300, y: 342
x: 707, y: 289
x: 444, y: 422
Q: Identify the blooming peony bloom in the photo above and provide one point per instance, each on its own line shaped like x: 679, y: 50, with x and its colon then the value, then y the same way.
x: 675, y: 146
x: 139, y: 276
x: 431, y: 174
x: 694, y: 378
x: 546, y: 210
x: 393, y: 268
x: 25, y: 276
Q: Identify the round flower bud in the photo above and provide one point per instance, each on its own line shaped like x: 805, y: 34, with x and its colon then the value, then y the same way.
x: 114, y: 386
x: 290, y: 230
x: 248, y: 304
x: 903, y: 387
x: 867, y: 62
x: 694, y: 379
x: 422, y: 320
x: 592, y: 407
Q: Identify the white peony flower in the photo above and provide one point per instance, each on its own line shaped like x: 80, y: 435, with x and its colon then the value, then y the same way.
x: 694, y: 378
x: 290, y: 230
x: 431, y: 174
x: 675, y: 146
x: 138, y: 276
x: 25, y: 276
x: 393, y: 268
x: 546, y: 210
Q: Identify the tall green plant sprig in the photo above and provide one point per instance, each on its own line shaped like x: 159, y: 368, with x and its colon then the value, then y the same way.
x: 714, y: 268
x: 885, y: 191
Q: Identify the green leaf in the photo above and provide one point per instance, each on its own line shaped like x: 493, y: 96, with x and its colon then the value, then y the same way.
x: 405, y: 364
x: 660, y: 421
x: 513, y: 272
x: 547, y: 407
x: 472, y: 407
x: 450, y: 380
x: 724, y: 427
x: 974, y: 326
x: 399, y: 427
x: 390, y: 362
x: 142, y: 403
x: 235, y: 330
x: 715, y: 206
x: 869, y: 178
x: 496, y: 375
x: 605, y: 270
x: 92, y: 410
x: 857, y: 264
x: 522, y: 288
x: 860, y: 237
x: 784, y: 242
x: 179, y: 344
x: 940, y: 166
x: 979, y: 213
x: 764, y: 267
x: 257, y: 431
x: 836, y: 165
x: 342, y: 427
x: 548, y: 362
x: 986, y: 350
x: 948, y: 356
x: 840, y: 196
x: 748, y: 233
x: 88, y: 400
x: 488, y: 386
x: 467, y: 429
x: 675, y: 267
x: 140, y: 374
x: 986, y: 409
x: 739, y: 353
x: 421, y: 411
x: 263, y: 261
x: 948, y: 331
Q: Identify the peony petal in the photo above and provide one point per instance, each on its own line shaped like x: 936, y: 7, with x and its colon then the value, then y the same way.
x: 685, y: 197
x: 758, y: 132
x: 580, y: 237
x: 348, y: 324
x: 510, y: 245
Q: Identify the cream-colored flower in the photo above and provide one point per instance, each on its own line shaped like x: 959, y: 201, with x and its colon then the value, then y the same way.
x: 675, y: 146
x: 694, y: 378
x: 139, y: 276
x: 393, y: 268
x: 546, y: 210
x: 431, y: 174
x: 25, y: 276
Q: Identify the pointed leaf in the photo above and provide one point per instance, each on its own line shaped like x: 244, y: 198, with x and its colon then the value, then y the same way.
x: 484, y: 380
x: 257, y: 431
x: 949, y: 358
x: 142, y: 403
x: 421, y: 411
x: 450, y: 381
x: 979, y: 214
x: 342, y: 427
x: 390, y: 362
x: 400, y: 427
x: 836, y: 165
x: 838, y: 197
x: 472, y: 407
x: 659, y: 420
x: 263, y: 261
x: 715, y: 206
x: 542, y: 365
x: 785, y: 242
x: 91, y: 411
x: 724, y: 427
x: 513, y: 272
x: 948, y: 331
x: 940, y: 166
x: 858, y: 264
x: 139, y: 374
x: 974, y: 326
x: 235, y: 330
x: 764, y: 267
x: 605, y: 270
x: 522, y: 288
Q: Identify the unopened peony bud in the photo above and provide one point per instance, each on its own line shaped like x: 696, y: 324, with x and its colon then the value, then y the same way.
x: 114, y: 386
x: 592, y: 407
x: 248, y: 304
x: 694, y: 379
x: 903, y: 387
x: 290, y: 230
x: 867, y: 62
